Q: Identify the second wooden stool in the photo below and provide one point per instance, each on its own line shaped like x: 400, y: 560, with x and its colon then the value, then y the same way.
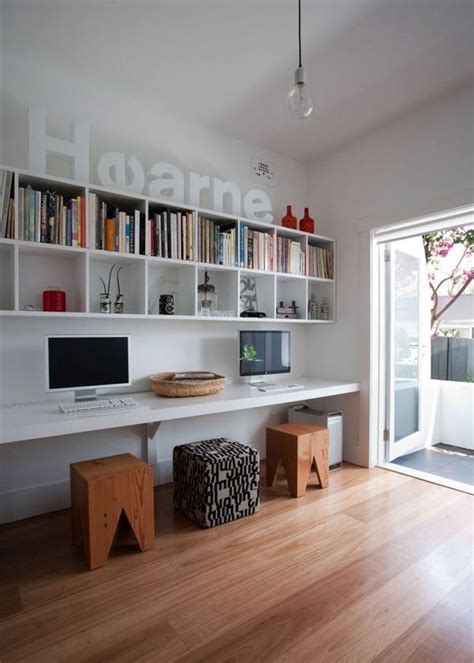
x: 100, y: 490
x: 299, y: 448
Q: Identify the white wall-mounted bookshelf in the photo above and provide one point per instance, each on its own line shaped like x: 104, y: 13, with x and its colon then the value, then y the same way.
x: 27, y: 268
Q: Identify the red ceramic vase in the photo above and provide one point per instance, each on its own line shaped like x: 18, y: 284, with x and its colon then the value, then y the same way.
x: 289, y: 221
x: 307, y: 223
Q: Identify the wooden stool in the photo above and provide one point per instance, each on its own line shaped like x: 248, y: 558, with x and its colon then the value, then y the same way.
x: 298, y: 447
x: 100, y: 490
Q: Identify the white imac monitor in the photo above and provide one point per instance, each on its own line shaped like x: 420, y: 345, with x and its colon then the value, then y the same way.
x: 85, y: 363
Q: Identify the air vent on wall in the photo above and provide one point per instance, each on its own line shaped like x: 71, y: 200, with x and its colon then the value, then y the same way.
x: 261, y: 171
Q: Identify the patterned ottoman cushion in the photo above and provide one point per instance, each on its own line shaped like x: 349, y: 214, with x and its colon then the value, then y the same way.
x: 216, y: 481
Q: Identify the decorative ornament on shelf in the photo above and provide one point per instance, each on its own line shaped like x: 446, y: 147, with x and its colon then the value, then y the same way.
x: 289, y: 312
x: 289, y: 220
x: 105, y: 301
x: 324, y: 311
x: 307, y: 223
x: 166, y: 304
x: 207, y: 295
x: 54, y: 299
x: 299, y: 102
x: 313, y: 308
x: 119, y: 304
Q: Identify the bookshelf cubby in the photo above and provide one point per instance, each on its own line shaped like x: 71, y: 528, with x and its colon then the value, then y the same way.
x: 47, y: 266
x: 29, y: 267
x: 292, y: 288
x: 132, y: 279
x: 226, y: 283
x: 265, y: 291
x: 175, y: 278
x: 7, y: 276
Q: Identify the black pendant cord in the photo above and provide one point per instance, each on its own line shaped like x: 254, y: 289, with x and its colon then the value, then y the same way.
x: 299, y: 31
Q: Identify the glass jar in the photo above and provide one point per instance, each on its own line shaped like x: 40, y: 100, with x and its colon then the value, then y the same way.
x: 324, y: 309
x: 207, y: 297
x: 313, y: 308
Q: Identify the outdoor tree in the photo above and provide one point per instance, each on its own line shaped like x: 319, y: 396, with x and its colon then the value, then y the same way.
x: 450, y: 260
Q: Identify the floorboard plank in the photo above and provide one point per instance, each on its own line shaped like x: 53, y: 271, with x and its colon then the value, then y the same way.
x: 311, y: 578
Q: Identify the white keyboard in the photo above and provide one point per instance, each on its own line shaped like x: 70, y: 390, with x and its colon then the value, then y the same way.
x: 280, y: 387
x: 99, y: 405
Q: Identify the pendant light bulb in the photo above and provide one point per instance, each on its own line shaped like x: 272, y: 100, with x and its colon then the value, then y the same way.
x: 299, y: 101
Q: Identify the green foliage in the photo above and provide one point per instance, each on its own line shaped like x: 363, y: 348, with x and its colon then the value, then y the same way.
x: 249, y: 354
x: 452, y: 332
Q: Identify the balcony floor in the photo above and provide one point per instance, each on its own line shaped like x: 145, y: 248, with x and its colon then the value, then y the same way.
x: 443, y: 461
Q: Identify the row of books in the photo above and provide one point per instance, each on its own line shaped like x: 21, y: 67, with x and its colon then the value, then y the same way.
x: 44, y: 216
x: 320, y: 263
x: 216, y: 243
x: 112, y: 229
x: 171, y: 235
x: 256, y: 249
x: 291, y: 259
x: 7, y: 205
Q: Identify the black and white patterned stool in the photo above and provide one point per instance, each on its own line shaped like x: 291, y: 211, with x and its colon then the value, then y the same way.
x: 216, y: 481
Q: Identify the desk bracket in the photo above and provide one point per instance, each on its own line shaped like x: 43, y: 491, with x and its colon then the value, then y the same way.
x: 149, y: 444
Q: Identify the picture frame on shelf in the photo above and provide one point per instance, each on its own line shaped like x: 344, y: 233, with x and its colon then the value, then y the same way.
x: 248, y: 293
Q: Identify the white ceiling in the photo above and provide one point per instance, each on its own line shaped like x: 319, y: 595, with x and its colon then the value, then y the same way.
x: 229, y: 64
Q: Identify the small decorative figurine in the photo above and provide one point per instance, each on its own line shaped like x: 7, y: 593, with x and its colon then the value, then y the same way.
x: 307, y: 223
x: 289, y: 221
x: 119, y: 304
x: 105, y: 301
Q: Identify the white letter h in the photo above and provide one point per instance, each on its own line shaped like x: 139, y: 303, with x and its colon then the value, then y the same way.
x: 39, y: 144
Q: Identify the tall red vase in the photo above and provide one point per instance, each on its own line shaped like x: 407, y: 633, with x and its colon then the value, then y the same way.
x: 307, y: 223
x: 289, y: 221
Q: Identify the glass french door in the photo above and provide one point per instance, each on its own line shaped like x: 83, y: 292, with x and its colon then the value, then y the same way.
x: 407, y: 346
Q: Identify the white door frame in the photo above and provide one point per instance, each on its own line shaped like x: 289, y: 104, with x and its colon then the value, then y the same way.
x: 377, y: 392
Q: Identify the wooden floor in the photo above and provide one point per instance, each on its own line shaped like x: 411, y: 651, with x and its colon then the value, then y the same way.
x: 375, y: 568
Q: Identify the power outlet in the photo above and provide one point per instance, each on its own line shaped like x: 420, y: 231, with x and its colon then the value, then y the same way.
x: 262, y: 171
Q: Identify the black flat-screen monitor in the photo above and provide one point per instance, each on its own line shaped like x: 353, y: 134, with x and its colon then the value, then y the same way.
x: 86, y: 362
x: 264, y: 352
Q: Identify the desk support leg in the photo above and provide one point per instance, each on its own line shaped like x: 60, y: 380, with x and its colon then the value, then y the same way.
x: 149, y: 444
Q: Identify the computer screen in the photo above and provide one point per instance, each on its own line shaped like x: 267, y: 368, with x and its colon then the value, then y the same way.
x: 264, y: 352
x: 84, y: 362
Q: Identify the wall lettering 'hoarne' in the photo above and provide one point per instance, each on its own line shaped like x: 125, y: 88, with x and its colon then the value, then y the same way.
x: 112, y: 167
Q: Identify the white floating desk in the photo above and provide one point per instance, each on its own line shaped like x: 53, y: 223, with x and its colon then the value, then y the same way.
x: 40, y: 420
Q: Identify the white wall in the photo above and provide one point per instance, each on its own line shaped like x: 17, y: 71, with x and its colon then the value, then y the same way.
x: 119, y: 122
x: 420, y: 164
x: 454, y: 423
x: 34, y: 475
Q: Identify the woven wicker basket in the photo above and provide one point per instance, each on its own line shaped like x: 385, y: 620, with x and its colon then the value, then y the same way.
x: 163, y: 385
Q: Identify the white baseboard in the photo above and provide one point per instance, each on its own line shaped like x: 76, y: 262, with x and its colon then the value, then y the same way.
x: 35, y: 500
x: 28, y: 502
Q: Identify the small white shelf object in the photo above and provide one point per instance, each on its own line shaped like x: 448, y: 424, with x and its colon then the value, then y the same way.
x: 27, y: 268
